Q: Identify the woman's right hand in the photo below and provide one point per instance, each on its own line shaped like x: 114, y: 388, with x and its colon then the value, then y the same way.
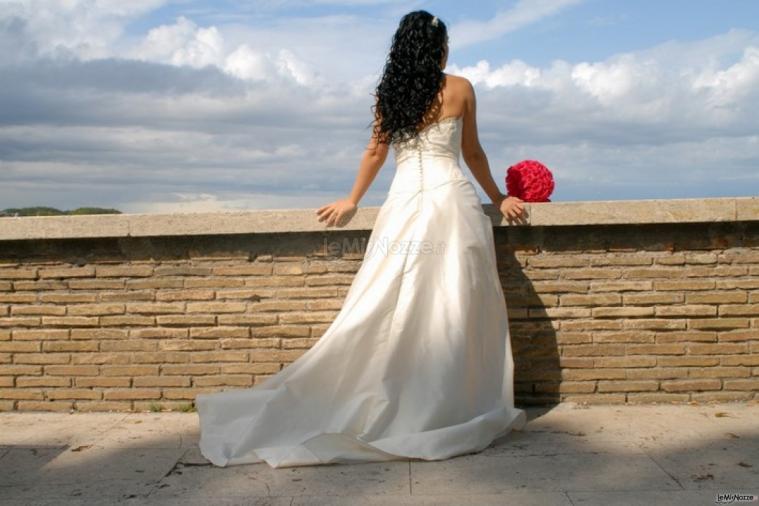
x: 337, y: 213
x: 512, y: 207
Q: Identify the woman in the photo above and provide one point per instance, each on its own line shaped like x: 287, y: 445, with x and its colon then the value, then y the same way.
x: 417, y: 364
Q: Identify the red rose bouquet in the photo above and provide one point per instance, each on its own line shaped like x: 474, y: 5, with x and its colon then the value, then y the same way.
x: 530, y: 181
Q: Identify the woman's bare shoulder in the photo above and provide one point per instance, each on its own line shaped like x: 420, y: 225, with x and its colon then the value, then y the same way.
x: 459, y: 86
x: 458, y: 81
x: 460, y: 92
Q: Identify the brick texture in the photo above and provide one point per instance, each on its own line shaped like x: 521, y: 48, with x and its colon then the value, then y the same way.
x: 603, y: 314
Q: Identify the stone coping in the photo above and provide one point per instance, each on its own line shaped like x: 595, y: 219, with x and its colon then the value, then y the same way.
x: 598, y: 212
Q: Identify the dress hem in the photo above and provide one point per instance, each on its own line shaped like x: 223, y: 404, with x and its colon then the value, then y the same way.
x: 347, y: 448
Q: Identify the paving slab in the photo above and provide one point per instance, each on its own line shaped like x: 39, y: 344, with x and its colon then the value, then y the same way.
x: 551, y: 472
x: 193, y: 480
x: 154, y: 430
x: 55, y: 429
x: 567, y: 454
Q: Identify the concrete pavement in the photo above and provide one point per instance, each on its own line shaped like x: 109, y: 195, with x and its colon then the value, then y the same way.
x: 567, y: 455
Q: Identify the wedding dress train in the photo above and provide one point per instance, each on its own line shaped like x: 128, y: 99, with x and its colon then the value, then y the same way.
x: 417, y: 363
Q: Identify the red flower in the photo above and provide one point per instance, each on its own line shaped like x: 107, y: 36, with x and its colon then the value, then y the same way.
x: 530, y: 181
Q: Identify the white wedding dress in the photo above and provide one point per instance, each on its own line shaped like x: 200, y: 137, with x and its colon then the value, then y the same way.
x: 417, y: 364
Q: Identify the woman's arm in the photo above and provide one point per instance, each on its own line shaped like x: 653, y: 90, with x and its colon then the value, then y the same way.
x: 477, y: 160
x: 372, y: 160
x: 341, y: 211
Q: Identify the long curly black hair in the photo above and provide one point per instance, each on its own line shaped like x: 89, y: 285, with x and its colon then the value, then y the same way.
x: 412, y: 77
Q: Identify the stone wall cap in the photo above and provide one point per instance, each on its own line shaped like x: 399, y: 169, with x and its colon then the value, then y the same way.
x: 265, y: 221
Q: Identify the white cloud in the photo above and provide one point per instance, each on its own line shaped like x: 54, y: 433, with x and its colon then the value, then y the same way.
x: 729, y: 88
x: 224, y: 201
x: 524, y: 13
x: 246, y: 63
x: 94, y: 29
x: 191, y: 117
x: 185, y: 43
x: 79, y: 28
x: 650, y: 87
x: 516, y: 72
x: 289, y: 64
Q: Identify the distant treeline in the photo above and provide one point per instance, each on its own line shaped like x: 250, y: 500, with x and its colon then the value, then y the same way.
x: 51, y: 211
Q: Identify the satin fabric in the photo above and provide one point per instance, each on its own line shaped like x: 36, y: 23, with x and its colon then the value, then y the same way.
x: 417, y: 364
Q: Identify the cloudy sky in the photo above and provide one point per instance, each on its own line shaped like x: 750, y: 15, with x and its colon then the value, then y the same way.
x: 191, y: 105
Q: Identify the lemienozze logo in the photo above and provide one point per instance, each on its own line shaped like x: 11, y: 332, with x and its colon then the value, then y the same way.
x: 731, y: 498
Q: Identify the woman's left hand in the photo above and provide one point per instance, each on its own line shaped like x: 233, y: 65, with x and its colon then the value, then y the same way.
x: 338, y: 213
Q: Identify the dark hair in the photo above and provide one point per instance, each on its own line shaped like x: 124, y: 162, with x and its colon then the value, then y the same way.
x: 412, y: 76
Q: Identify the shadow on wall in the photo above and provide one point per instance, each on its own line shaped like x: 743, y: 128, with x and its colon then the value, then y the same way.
x: 591, y: 306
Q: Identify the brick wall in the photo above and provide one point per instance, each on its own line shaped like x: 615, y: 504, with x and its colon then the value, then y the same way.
x: 598, y: 313
x: 644, y: 313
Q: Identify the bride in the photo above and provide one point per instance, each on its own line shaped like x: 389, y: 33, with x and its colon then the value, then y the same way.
x: 417, y: 364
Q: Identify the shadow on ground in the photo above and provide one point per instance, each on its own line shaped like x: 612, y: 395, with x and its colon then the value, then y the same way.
x: 568, y: 454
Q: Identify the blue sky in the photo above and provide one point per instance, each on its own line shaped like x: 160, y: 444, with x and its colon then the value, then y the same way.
x: 171, y: 106
x: 590, y: 30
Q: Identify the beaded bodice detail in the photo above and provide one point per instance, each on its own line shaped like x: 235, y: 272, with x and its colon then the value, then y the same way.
x: 430, y: 159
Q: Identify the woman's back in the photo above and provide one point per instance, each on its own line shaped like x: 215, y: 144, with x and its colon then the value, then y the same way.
x: 431, y: 159
x: 449, y: 102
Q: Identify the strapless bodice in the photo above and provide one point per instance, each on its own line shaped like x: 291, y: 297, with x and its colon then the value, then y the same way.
x: 430, y: 159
